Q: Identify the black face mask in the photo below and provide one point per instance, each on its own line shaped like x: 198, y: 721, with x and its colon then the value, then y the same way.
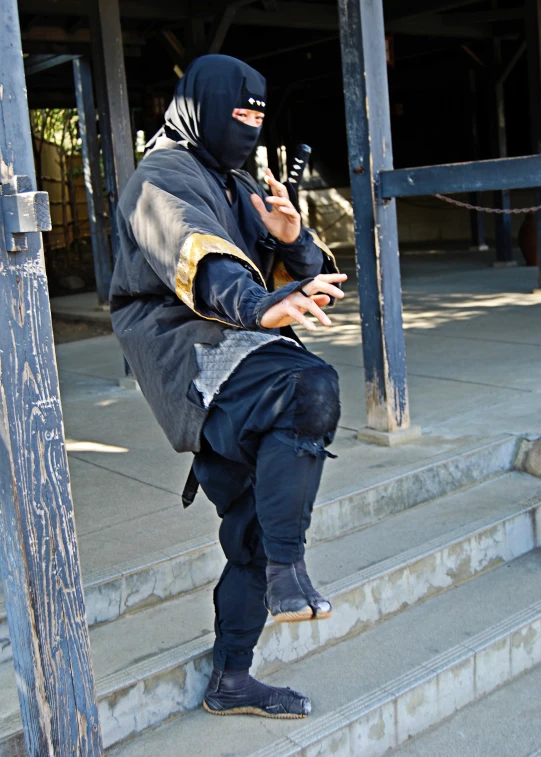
x: 200, y: 114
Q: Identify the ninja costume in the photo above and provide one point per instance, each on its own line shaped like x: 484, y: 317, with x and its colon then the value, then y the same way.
x: 195, y: 275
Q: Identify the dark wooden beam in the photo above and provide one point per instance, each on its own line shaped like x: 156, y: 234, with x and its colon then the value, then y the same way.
x: 292, y: 15
x: 438, y: 26
x: 376, y: 236
x: 59, y: 34
x: 174, y: 47
x: 46, y: 62
x: 39, y: 562
x: 502, y: 199
x: 496, y: 15
x: 395, y: 9
x: 113, y: 106
x: 533, y: 39
x: 84, y: 93
x: 477, y: 222
x: 160, y: 9
x: 222, y: 24
x: 477, y: 176
x: 198, y: 41
x: 292, y: 48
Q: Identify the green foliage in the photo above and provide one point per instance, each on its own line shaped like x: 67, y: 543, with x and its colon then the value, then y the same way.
x: 59, y: 126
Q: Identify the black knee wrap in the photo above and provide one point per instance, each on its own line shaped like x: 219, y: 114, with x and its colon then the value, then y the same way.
x: 317, y: 408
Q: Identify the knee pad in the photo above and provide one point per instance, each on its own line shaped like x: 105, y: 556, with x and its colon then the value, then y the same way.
x: 317, y: 402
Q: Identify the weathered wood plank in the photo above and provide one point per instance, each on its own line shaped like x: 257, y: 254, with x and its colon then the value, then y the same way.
x: 91, y: 163
x: 477, y: 176
x: 376, y: 238
x: 533, y: 40
x: 38, y: 547
x: 113, y: 106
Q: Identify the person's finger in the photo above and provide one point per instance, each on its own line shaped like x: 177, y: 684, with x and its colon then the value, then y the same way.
x: 297, y: 316
x: 277, y: 189
x: 321, y: 299
x: 288, y: 211
x: 322, y: 287
x: 259, y: 205
x: 316, y: 311
x: 332, y: 277
x: 279, y: 201
x: 307, y: 304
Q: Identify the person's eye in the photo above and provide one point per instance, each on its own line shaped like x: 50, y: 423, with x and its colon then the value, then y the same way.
x: 242, y: 115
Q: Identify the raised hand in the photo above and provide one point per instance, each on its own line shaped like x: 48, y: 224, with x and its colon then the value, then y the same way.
x: 292, y: 308
x: 283, y: 222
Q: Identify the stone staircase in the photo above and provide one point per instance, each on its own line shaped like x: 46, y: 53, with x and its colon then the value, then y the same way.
x: 435, y: 582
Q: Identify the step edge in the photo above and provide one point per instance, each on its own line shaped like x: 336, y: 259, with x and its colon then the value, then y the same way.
x: 430, y: 547
x: 345, y: 716
x: 183, y: 548
x: 195, y: 648
x: 98, y: 578
x: 181, y: 654
x: 11, y: 726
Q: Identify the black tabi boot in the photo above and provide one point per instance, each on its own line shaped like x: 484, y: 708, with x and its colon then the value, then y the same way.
x: 290, y: 595
x: 235, y: 692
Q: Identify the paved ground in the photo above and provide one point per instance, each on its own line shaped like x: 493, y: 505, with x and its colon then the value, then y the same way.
x: 474, y: 361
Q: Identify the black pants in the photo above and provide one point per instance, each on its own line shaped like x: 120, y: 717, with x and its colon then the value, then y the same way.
x: 260, y: 463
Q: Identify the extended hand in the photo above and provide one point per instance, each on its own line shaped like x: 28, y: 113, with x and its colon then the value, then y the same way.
x: 283, y: 222
x: 293, y: 307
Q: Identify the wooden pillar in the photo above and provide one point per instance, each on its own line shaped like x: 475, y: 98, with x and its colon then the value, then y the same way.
x: 112, y: 95
x: 38, y: 547
x: 364, y: 67
x: 533, y: 39
x: 91, y: 163
x: 477, y: 224
x: 502, y: 221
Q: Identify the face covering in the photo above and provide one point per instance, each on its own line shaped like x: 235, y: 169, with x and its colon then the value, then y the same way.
x: 200, y: 115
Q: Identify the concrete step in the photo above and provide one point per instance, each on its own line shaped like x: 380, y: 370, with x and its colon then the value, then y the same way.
x: 154, y: 663
x: 152, y: 578
x: 506, y: 723
x: 376, y: 690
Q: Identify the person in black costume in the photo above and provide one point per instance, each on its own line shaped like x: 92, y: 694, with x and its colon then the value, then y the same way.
x: 211, y: 274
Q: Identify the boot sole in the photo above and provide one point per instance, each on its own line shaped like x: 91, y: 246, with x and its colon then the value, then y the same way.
x: 301, y: 615
x: 252, y: 711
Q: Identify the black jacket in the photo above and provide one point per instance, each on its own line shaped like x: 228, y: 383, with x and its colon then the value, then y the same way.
x: 185, y: 273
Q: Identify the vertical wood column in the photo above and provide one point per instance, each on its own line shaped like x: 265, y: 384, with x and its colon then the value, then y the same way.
x: 533, y: 40
x: 38, y: 548
x: 113, y: 107
x: 364, y: 68
x: 91, y: 163
x: 502, y: 222
x: 477, y: 224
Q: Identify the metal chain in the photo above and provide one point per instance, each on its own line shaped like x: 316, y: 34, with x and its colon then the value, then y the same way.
x: 500, y: 211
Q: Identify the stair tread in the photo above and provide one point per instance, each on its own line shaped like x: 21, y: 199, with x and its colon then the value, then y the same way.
x: 358, y: 466
x: 357, y: 666
x: 506, y: 723
x: 420, y: 523
x: 138, y: 636
x: 143, y: 635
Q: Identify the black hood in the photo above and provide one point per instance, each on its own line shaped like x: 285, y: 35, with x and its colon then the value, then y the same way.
x: 200, y: 114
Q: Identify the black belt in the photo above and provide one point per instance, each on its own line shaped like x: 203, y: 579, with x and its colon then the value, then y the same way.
x: 190, y: 488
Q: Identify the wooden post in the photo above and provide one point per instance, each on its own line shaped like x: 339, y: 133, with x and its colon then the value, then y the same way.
x: 502, y: 222
x: 533, y: 38
x: 364, y: 67
x: 91, y: 162
x: 477, y: 224
x: 38, y: 548
x: 113, y: 107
